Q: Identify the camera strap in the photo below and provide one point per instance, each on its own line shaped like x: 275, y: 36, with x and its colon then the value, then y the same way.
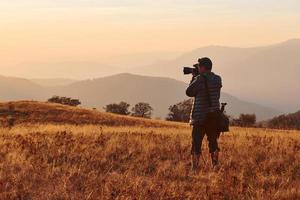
x: 207, y: 90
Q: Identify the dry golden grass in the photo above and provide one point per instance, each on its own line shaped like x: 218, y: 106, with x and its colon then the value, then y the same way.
x: 20, y: 112
x: 45, y: 158
x: 101, y: 162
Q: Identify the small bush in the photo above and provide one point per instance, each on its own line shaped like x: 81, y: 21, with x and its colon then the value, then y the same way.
x: 64, y: 100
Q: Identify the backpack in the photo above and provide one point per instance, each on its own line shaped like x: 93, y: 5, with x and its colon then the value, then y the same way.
x: 222, y: 119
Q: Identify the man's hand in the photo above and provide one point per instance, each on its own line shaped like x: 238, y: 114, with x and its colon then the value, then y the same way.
x: 193, y: 88
x: 194, y: 74
x: 193, y: 78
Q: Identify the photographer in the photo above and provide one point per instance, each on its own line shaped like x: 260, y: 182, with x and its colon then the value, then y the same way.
x: 205, y: 87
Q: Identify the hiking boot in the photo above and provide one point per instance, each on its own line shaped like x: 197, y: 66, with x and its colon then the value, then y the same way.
x: 215, y: 158
x: 195, y: 162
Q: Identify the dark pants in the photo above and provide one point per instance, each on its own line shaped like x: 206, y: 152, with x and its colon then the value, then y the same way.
x: 209, y: 129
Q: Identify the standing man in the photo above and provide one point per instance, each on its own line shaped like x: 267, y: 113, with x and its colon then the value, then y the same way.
x: 205, y: 87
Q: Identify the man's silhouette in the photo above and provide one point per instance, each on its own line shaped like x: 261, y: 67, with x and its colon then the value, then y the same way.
x: 205, y: 87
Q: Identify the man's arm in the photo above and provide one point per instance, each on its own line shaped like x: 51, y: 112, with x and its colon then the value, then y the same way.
x: 194, y: 87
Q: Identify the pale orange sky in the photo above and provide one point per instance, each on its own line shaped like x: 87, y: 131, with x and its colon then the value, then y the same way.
x: 44, y: 30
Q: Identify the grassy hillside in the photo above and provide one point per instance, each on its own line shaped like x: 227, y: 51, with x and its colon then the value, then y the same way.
x: 33, y: 112
x: 61, y: 152
x: 133, y: 162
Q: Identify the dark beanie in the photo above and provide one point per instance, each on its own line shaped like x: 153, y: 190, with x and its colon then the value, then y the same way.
x: 206, y: 62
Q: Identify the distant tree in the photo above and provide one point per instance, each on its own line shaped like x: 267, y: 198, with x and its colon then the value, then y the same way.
x: 64, y: 100
x: 55, y: 99
x: 181, y: 111
x: 245, y: 120
x: 289, y: 121
x: 74, y: 102
x: 142, y: 110
x: 120, y: 108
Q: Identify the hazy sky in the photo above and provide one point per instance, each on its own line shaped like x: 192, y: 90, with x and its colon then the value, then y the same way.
x: 34, y: 31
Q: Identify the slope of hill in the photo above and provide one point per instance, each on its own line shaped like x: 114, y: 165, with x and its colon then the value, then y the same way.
x: 236, y: 106
x: 20, y: 89
x: 159, y: 92
x: 266, y: 75
x: 73, y: 69
x: 53, y: 81
x: 133, y: 60
x: 32, y: 112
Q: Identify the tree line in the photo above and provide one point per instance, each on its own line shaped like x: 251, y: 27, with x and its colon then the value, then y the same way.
x: 180, y: 112
x: 64, y: 100
x: 141, y: 109
x: 290, y: 121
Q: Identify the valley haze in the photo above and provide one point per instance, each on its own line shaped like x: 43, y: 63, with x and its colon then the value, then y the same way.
x: 266, y: 75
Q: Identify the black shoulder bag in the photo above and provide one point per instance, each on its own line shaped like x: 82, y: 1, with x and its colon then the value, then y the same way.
x: 222, y: 120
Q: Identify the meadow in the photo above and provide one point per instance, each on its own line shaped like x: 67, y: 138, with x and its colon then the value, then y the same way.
x: 143, y: 161
x: 94, y: 162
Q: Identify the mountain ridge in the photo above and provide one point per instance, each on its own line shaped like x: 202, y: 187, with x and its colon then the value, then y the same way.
x: 160, y: 92
x: 257, y: 74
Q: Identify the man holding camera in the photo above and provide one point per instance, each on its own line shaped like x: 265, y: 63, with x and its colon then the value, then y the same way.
x: 205, y: 87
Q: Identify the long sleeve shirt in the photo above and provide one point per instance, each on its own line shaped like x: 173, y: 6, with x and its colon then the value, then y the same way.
x: 197, y: 90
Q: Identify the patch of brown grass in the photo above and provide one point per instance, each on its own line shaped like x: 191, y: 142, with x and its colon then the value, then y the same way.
x: 33, y: 112
x: 135, y: 162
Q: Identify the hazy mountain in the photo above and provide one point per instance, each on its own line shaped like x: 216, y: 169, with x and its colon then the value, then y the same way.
x: 237, y: 106
x: 75, y: 69
x: 267, y: 75
x: 133, y: 60
x: 53, y: 81
x: 159, y: 92
x: 12, y: 88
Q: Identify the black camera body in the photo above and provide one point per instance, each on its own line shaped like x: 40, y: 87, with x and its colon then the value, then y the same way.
x: 191, y: 70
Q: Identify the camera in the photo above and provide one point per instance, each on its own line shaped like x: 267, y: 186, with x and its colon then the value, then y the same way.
x: 191, y: 70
